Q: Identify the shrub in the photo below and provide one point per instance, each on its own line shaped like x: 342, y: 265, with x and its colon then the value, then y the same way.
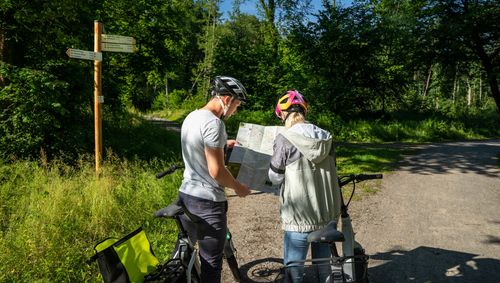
x: 37, y: 111
x: 176, y: 98
x: 160, y: 102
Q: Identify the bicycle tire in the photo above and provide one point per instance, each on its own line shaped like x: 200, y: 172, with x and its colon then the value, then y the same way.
x: 233, y: 265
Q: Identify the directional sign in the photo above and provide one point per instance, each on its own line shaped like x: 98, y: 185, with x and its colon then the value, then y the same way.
x: 114, y: 47
x: 109, y: 38
x: 82, y: 54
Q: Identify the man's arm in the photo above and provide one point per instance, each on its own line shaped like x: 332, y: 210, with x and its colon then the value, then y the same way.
x: 218, y: 171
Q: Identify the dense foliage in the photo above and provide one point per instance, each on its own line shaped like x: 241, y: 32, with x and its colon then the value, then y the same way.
x: 376, y: 71
x: 372, y: 60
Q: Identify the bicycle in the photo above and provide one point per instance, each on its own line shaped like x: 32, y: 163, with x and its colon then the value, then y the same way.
x: 185, y: 266
x: 352, y: 266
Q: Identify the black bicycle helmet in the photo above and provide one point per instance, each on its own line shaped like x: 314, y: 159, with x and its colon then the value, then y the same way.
x: 224, y: 85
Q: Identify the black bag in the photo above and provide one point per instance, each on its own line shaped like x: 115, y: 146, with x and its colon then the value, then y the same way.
x: 125, y: 260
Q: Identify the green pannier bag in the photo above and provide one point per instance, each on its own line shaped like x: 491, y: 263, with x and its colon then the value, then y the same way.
x: 125, y: 260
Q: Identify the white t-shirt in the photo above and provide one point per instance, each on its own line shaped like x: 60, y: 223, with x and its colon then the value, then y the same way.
x: 201, y: 129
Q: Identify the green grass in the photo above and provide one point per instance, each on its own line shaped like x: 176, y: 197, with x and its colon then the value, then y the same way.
x: 132, y: 136
x: 53, y: 214
x: 367, y: 160
x: 176, y: 115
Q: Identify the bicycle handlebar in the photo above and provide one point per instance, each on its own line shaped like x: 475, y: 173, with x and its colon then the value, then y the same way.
x: 359, y: 178
x: 169, y: 171
x: 352, y: 178
x: 363, y: 177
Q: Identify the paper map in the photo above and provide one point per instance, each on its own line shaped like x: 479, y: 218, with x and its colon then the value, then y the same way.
x: 249, y: 163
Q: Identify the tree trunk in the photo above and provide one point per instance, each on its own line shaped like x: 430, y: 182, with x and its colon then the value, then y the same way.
x: 166, y: 92
x: 3, y: 56
x: 480, y: 87
x: 474, y: 92
x: 212, y: 50
x: 455, y: 84
x: 490, y: 72
x: 269, y: 12
x: 468, y: 93
x: 427, y: 86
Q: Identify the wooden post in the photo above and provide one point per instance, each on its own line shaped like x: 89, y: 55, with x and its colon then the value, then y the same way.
x: 97, y: 94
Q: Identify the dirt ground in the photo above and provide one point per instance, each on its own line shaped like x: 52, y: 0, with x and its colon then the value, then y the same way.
x: 435, y: 219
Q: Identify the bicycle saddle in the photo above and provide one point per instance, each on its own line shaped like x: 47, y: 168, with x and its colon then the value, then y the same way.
x: 177, y: 208
x: 174, y: 209
x: 328, y: 234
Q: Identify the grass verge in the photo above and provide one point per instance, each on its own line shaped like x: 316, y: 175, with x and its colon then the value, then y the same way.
x: 367, y: 160
x: 53, y: 214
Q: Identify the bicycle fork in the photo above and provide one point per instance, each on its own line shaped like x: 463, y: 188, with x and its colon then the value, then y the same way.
x: 348, y: 246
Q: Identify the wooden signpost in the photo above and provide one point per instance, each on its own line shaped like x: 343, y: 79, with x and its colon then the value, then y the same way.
x: 82, y: 54
x: 102, y: 42
x: 97, y: 95
x: 116, y: 47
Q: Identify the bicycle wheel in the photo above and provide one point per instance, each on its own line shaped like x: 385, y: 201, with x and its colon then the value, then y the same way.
x: 229, y: 254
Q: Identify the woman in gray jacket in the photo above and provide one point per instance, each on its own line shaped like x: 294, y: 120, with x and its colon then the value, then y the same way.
x: 304, y: 164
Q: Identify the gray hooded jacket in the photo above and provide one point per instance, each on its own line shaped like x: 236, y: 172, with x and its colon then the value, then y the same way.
x: 310, y: 194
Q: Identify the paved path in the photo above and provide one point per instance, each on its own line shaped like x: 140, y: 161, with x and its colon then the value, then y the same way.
x: 437, y: 217
x: 167, y: 124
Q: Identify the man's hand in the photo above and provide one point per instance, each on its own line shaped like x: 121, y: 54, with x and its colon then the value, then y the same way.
x: 218, y: 171
x: 232, y: 143
x: 243, y: 191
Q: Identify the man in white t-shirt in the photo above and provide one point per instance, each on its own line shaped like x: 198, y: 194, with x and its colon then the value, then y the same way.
x: 204, y: 139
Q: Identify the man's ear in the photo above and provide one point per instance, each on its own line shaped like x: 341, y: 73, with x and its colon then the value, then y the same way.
x: 226, y: 99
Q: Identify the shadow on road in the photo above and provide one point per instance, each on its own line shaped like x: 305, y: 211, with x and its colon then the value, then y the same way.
x: 427, y: 264
x: 478, y: 157
x: 423, y: 264
x: 261, y: 270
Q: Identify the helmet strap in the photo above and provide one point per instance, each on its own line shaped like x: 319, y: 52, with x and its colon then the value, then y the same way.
x: 286, y: 117
x: 224, y: 107
x: 290, y: 112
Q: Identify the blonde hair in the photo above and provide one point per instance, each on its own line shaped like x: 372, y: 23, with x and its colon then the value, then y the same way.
x: 294, y: 118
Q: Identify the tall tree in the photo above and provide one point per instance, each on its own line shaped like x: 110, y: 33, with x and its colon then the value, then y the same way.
x: 467, y: 30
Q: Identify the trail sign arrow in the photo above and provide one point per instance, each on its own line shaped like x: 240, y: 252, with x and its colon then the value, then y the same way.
x: 109, y: 38
x: 82, y: 54
x: 114, y: 47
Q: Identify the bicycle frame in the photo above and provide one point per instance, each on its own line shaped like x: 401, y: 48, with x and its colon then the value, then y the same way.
x: 186, y: 252
x: 350, y: 246
x: 351, y: 266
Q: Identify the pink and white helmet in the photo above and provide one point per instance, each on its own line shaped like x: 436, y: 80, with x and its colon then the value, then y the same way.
x: 291, y: 101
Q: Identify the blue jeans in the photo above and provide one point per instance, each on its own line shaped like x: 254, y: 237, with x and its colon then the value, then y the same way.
x: 295, y: 247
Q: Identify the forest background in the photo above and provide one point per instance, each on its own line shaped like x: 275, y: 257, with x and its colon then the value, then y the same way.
x: 376, y: 71
x: 402, y: 64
